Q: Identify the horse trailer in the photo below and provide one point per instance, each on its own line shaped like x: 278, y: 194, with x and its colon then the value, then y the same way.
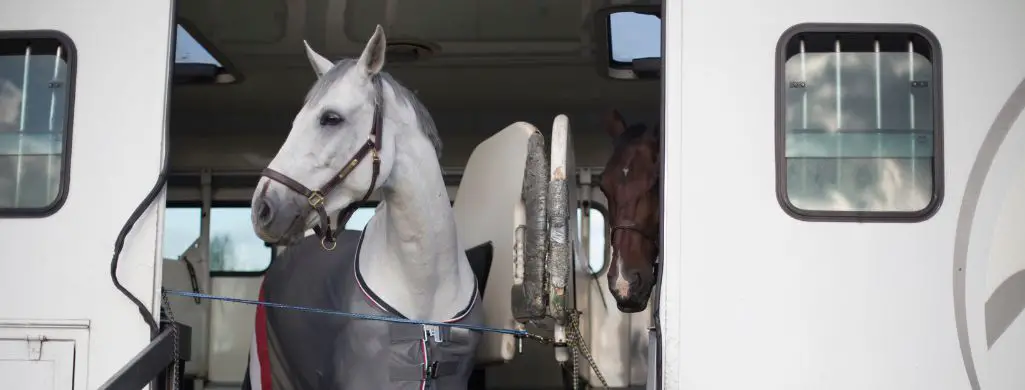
x: 166, y: 165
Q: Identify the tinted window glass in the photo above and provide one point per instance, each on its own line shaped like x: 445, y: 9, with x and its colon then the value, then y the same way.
x: 859, y: 123
x: 34, y: 125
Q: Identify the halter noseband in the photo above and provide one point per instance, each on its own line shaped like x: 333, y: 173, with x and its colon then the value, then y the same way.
x: 315, y: 198
x: 633, y: 228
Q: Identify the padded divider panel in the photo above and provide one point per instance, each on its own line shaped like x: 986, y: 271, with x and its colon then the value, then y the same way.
x: 485, y: 208
x: 529, y: 297
x: 186, y: 310
x: 562, y: 222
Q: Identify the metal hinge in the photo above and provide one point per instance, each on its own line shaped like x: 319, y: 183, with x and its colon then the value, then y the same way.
x: 35, y: 347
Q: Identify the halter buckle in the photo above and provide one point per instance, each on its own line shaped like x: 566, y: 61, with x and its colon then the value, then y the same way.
x: 373, y: 153
x: 315, y: 199
x: 324, y: 243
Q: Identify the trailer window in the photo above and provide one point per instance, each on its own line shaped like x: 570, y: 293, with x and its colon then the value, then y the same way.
x: 36, y: 83
x: 195, y: 61
x: 634, y: 35
x: 187, y: 50
x: 859, y: 123
x: 234, y: 248
x: 596, y: 248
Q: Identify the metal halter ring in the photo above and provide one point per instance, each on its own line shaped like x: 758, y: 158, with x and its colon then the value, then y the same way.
x: 326, y: 239
x: 315, y: 199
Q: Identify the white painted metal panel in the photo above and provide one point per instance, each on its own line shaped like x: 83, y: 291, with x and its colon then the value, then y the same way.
x: 59, y: 266
x: 33, y: 364
x: 231, y: 328
x: 993, y: 293
x: 755, y: 298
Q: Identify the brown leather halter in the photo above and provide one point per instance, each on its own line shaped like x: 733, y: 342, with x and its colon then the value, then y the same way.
x: 315, y: 198
x: 633, y: 228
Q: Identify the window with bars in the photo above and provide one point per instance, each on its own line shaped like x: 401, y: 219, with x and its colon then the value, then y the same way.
x: 36, y: 82
x: 859, y: 122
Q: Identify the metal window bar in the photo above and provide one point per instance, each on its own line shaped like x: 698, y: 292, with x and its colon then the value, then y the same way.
x: 56, y: 84
x: 839, y: 115
x: 804, y: 115
x: 21, y: 126
x: 911, y: 95
x: 879, y: 101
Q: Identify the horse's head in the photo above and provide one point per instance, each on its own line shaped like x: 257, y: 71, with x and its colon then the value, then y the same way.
x: 338, y: 151
x: 630, y: 183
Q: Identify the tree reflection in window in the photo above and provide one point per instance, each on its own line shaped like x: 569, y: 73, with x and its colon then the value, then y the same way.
x: 233, y: 245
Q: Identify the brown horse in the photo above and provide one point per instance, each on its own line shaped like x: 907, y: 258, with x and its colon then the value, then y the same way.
x: 630, y: 183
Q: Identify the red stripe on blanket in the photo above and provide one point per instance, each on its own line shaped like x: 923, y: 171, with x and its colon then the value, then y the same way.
x: 262, y: 352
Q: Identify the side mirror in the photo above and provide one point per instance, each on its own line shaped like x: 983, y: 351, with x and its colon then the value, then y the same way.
x: 629, y: 41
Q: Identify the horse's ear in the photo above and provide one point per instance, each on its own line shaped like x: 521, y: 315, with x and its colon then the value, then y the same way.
x: 614, y: 123
x: 656, y: 140
x: 372, y: 59
x: 654, y: 135
x: 320, y: 64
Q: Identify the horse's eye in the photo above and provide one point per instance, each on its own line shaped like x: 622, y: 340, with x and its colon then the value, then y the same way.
x: 331, y: 118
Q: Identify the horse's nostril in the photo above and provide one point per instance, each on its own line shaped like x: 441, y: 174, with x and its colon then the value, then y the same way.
x: 634, y: 278
x: 264, y: 213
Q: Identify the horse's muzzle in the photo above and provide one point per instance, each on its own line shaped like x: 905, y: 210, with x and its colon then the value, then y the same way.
x: 277, y: 213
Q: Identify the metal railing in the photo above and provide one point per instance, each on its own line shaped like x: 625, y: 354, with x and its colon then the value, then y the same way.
x: 153, y: 364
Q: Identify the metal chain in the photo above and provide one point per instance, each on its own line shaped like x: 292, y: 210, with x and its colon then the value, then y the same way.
x: 575, y: 364
x: 579, y: 346
x: 175, y: 380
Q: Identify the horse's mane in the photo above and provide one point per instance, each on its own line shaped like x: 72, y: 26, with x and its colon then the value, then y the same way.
x: 402, y: 94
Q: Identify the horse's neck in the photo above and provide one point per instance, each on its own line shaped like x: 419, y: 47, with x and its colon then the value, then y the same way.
x: 410, y: 256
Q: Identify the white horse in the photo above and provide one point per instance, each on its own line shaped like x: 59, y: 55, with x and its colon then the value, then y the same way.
x: 358, y: 131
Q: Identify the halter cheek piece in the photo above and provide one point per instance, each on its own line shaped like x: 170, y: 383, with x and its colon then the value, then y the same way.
x: 632, y: 227
x: 315, y: 198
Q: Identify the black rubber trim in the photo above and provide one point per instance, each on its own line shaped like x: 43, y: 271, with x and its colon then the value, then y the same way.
x: 71, y: 62
x: 656, y: 307
x: 154, y: 192
x: 933, y: 52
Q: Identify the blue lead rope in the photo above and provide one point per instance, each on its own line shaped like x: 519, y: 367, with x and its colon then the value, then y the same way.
x: 514, y: 332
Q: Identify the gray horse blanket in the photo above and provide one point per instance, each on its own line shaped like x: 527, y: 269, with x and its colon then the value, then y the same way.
x: 296, y: 350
